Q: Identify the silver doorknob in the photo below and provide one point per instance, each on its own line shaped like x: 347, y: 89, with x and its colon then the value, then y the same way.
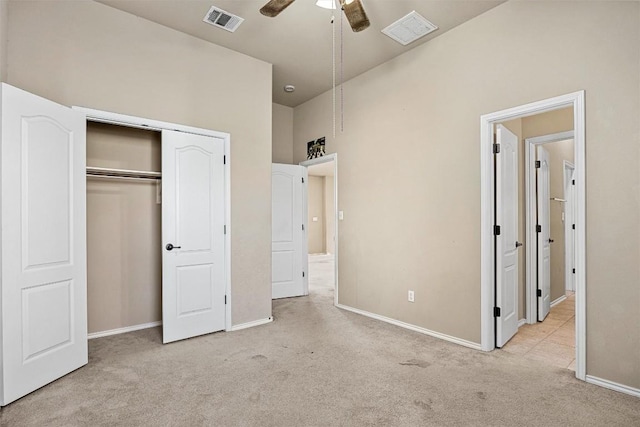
x: 170, y: 247
x: 518, y: 244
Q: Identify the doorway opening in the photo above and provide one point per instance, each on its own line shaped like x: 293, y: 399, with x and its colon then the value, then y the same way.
x: 503, y: 311
x: 322, y: 225
x: 545, y: 304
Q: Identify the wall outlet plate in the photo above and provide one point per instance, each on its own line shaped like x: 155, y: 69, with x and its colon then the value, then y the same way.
x: 412, y: 296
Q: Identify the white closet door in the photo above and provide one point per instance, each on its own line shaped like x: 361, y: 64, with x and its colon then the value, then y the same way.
x: 506, y: 247
x: 288, y: 237
x: 193, y: 209
x: 544, y: 235
x: 44, y: 289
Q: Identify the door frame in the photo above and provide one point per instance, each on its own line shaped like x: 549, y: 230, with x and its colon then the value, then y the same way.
x: 569, y: 237
x: 117, y: 119
x: 487, y: 198
x: 319, y: 160
x: 531, y: 204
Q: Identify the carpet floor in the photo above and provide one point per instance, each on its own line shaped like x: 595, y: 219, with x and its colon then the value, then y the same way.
x: 315, y: 365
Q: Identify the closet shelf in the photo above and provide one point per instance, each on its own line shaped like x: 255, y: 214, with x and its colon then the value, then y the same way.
x: 121, y: 173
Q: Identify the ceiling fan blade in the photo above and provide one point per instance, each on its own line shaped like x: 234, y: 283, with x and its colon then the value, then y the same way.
x: 355, y: 14
x: 274, y: 7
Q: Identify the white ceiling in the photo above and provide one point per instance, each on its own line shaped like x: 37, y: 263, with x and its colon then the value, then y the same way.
x: 298, y: 42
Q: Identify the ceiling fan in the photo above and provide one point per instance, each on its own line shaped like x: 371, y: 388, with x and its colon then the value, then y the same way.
x: 353, y: 10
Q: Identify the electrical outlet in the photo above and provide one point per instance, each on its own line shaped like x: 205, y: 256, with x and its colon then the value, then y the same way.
x: 412, y: 296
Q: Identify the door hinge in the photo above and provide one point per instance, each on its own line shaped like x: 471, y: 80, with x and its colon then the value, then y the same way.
x: 303, y: 180
x: 574, y: 271
x: 496, y: 230
x: 496, y: 148
x: 573, y: 226
x: 573, y: 182
x: 539, y: 228
x: 303, y: 274
x: 225, y: 300
x: 537, y: 164
x: 539, y: 293
x: 224, y: 160
x: 302, y: 227
x: 225, y: 229
x: 496, y: 311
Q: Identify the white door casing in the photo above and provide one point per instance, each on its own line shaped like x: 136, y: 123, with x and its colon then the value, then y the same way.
x: 44, y: 290
x: 288, y: 239
x: 506, y: 247
x: 193, y: 222
x: 543, y: 231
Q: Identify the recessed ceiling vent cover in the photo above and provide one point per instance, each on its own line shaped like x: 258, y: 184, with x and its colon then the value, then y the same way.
x: 221, y: 19
x: 409, y: 28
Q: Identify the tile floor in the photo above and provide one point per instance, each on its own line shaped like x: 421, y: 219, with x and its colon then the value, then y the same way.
x: 552, y: 341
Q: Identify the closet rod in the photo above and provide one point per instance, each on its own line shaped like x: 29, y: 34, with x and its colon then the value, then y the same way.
x: 121, y: 173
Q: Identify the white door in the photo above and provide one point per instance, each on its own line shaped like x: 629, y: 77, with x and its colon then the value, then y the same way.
x: 506, y: 240
x: 193, y: 228
x: 543, y: 232
x: 569, y: 227
x: 44, y: 288
x: 288, y: 236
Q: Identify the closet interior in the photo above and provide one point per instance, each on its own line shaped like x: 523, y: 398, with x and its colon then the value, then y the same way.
x: 124, y: 228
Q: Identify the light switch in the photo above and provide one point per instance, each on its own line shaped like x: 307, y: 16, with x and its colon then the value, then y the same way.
x: 340, y: 215
x: 314, y: 219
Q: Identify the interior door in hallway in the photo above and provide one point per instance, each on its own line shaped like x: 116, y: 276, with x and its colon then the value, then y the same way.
x: 193, y: 228
x: 506, y: 239
x: 43, y: 264
x: 543, y: 232
x: 288, y: 239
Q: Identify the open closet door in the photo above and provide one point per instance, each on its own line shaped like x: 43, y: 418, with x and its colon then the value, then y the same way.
x: 44, y: 288
x: 288, y: 236
x: 544, y: 234
x: 193, y: 228
x: 506, y: 239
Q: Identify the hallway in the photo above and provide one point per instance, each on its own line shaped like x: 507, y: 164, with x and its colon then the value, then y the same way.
x: 552, y: 341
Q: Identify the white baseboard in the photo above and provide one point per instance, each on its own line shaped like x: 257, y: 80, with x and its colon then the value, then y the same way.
x: 521, y: 322
x: 251, y: 324
x: 123, y: 330
x: 613, y: 386
x: 415, y: 328
x: 558, y: 300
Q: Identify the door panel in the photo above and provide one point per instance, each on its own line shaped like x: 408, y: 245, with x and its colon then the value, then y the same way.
x: 44, y: 290
x: 289, y: 243
x: 544, y: 235
x: 506, y: 249
x: 193, y: 209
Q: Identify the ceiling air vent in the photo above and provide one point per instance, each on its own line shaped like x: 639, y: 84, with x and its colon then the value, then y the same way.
x: 221, y: 19
x: 409, y: 28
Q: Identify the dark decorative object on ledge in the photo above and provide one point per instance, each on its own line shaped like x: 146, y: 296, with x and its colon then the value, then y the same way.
x: 315, y: 148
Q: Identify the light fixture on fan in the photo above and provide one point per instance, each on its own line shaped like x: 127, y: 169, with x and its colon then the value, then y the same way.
x: 353, y: 10
x: 326, y: 4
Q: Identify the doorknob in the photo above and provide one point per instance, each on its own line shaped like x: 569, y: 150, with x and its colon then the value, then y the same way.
x: 518, y: 244
x: 170, y: 247
x: 550, y: 240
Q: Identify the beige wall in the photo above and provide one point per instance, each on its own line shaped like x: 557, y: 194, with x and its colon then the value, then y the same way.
x: 316, y: 229
x: 85, y: 53
x: 282, y: 150
x: 4, y: 34
x: 124, y: 255
x: 329, y: 215
x: 412, y: 136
